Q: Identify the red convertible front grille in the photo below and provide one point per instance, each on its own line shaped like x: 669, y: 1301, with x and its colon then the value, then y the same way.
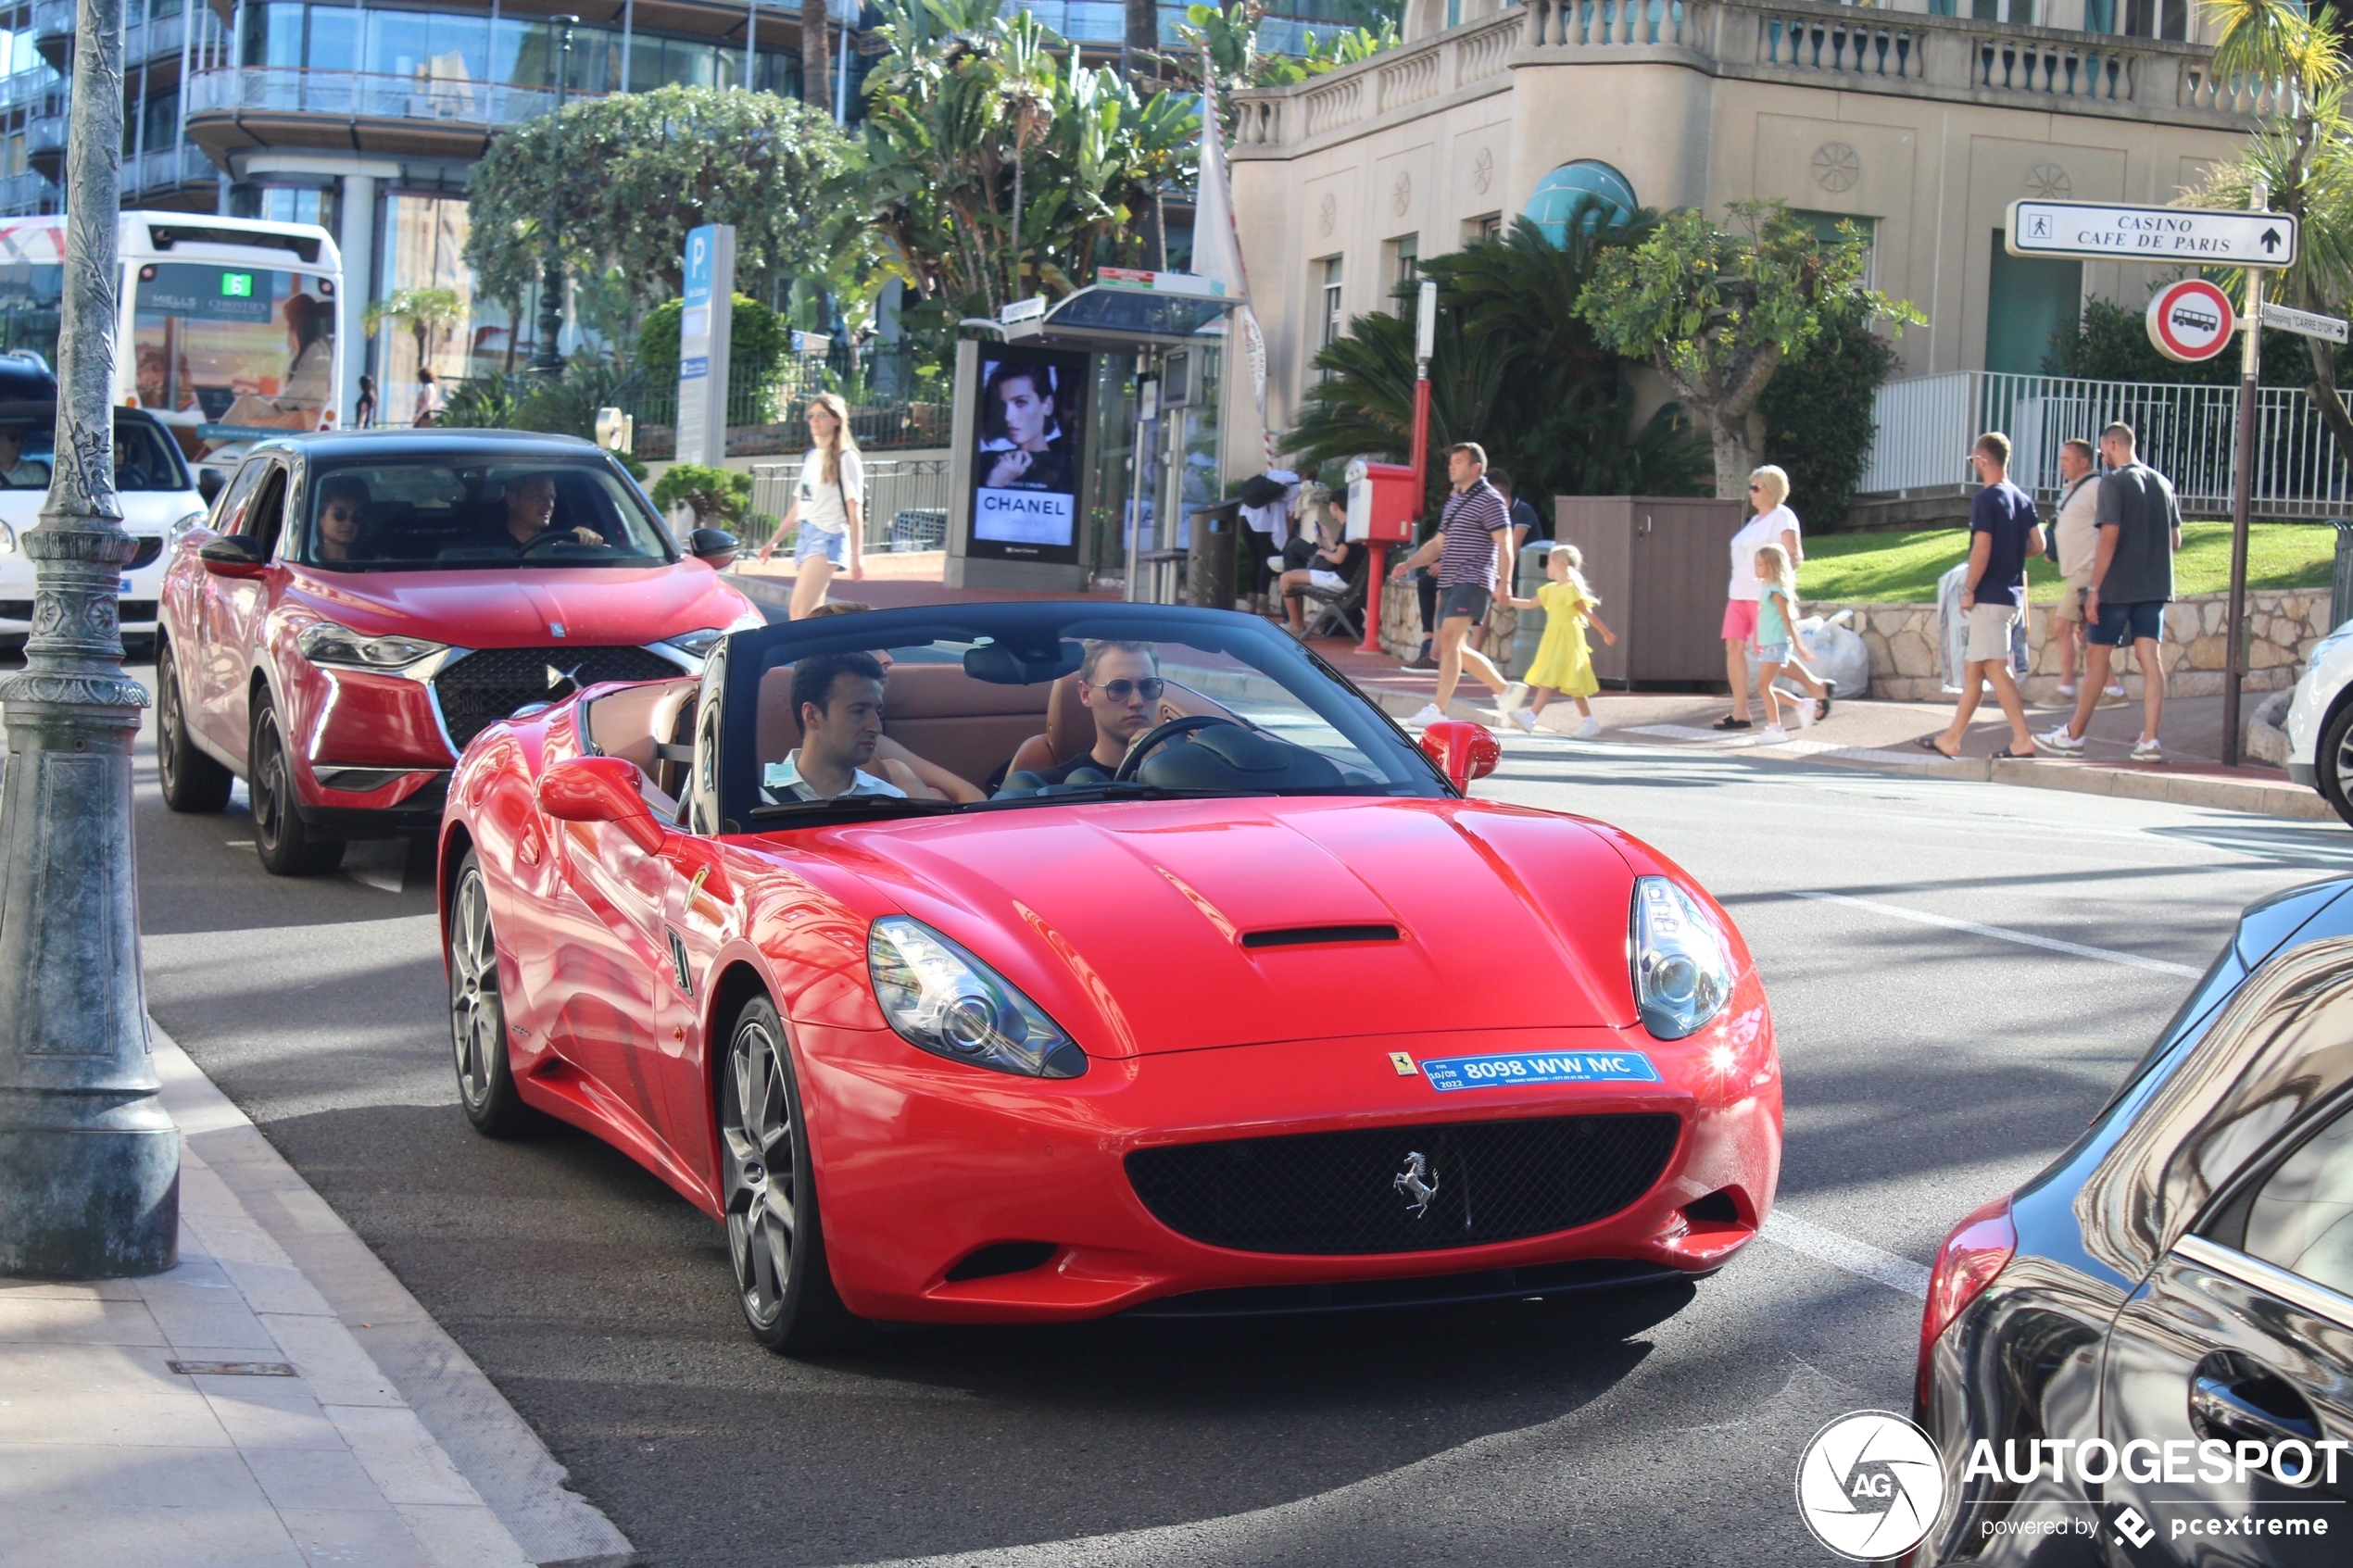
x: 1405, y: 1189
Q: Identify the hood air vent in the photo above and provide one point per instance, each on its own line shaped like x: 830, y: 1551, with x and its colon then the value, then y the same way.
x: 1319, y: 935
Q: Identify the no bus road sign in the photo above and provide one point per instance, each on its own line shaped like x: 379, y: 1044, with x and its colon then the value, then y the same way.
x: 2191, y: 321
x: 2201, y: 236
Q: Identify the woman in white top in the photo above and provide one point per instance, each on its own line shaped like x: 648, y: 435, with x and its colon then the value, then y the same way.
x: 1773, y: 523
x: 830, y: 507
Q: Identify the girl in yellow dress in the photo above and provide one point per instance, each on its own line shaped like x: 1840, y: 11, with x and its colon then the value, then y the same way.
x: 1564, y: 664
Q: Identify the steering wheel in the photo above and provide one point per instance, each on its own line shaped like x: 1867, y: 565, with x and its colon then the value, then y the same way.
x: 1160, y: 735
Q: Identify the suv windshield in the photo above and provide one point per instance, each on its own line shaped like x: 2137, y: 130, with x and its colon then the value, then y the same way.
x: 145, y: 458
x: 1013, y: 707
x: 445, y: 515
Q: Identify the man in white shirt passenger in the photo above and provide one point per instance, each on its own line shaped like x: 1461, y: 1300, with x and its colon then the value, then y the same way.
x: 840, y: 699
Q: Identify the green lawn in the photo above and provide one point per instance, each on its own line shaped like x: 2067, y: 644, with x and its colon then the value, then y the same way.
x: 1903, y: 567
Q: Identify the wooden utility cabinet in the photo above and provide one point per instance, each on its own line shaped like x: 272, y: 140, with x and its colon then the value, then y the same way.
x: 1659, y: 565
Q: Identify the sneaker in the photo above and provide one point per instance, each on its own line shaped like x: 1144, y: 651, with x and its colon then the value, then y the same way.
x: 1428, y: 715
x: 1771, y: 735
x: 1423, y: 660
x: 1524, y: 718
x: 1588, y: 729
x: 2058, y: 740
x: 2147, y: 751
x: 2067, y: 689
x: 2111, y: 695
x: 1515, y: 696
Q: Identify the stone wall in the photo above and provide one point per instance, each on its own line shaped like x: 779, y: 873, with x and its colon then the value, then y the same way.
x: 2283, y: 624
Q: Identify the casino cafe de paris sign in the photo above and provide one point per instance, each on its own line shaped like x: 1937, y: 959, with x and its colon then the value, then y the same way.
x: 2201, y: 236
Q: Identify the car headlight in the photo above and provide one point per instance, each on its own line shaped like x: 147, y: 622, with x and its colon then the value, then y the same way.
x: 1682, y: 974
x: 941, y: 999
x: 698, y: 643
x: 7, y: 540
x: 192, y: 520
x: 325, y: 642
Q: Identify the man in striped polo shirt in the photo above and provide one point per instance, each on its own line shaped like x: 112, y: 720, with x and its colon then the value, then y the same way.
x: 1472, y: 548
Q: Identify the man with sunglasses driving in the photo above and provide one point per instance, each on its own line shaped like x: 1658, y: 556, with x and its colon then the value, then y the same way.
x: 1120, y: 684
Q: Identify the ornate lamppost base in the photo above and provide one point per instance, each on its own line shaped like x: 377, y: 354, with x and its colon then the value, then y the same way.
x: 93, y: 1185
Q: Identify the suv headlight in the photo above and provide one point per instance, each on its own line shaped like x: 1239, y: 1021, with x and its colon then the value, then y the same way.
x: 325, y: 642
x: 1682, y: 974
x: 697, y: 644
x: 941, y: 999
x: 192, y: 520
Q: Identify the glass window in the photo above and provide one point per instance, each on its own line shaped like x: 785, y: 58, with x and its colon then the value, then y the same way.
x: 485, y: 515
x: 273, y: 34
x: 2302, y: 1219
x: 398, y: 43
x: 335, y: 39
x: 232, y: 352
x: 144, y: 459
x: 1588, y: 186
x: 458, y: 48
x: 1404, y: 255
x: 1332, y: 306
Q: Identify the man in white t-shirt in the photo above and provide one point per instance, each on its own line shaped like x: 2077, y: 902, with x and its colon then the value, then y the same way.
x: 2078, y: 542
x: 839, y: 699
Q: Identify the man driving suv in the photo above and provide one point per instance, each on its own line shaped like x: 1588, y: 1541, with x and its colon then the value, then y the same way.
x: 531, y: 510
x: 1120, y: 684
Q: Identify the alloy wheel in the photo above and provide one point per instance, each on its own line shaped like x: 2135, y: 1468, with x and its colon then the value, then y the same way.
x: 477, y: 1018
x: 756, y: 1126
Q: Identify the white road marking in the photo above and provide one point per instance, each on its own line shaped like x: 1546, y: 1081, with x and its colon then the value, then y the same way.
x: 2025, y: 938
x: 1899, y: 1275
x: 1686, y: 731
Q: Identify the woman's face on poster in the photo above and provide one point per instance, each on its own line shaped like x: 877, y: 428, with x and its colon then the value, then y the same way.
x: 1029, y: 413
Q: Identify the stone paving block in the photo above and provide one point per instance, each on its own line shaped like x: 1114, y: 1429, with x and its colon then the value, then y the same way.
x: 176, y: 1421
x: 225, y: 1322
x: 43, y: 1320
x: 56, y: 1370
x: 234, y: 1239
x: 202, y: 1192
x: 268, y: 1412
x: 347, y: 1538
x: 463, y: 1538
x: 276, y: 1287
x: 67, y: 1289
x: 59, y: 1535
x: 339, y: 1371
x: 315, y: 1479
x: 100, y: 1477
x: 397, y: 1451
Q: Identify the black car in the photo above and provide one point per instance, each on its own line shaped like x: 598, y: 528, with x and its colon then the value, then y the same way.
x: 25, y: 377
x: 2168, y: 1309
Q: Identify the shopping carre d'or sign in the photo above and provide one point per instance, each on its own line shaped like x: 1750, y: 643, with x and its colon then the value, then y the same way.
x: 2201, y: 236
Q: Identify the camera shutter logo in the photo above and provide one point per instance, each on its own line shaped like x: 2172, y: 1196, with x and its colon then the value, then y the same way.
x: 1870, y: 1485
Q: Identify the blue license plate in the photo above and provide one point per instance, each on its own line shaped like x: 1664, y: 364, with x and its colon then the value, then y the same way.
x: 1524, y: 1068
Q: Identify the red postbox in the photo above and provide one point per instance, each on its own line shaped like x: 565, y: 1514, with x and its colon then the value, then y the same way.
x: 1384, y: 500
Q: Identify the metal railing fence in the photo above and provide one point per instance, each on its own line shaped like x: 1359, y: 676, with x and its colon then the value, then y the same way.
x: 880, y: 383
x: 1925, y: 426
x: 906, y: 503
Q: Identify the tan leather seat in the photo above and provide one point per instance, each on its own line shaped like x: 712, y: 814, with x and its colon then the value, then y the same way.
x: 1070, y: 729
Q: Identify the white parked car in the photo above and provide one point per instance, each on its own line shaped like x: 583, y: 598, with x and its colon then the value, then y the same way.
x: 157, y: 489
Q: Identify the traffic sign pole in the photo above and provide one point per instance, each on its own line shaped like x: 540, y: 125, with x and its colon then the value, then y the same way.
x: 2242, y: 503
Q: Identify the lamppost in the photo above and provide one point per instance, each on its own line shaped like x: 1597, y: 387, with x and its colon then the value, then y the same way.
x: 89, y: 1162
x: 548, y: 361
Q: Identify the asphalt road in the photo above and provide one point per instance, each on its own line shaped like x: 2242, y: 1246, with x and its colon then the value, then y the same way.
x: 1929, y: 1068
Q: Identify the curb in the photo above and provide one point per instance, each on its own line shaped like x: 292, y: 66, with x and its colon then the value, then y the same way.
x: 491, y: 1445
x: 2260, y: 797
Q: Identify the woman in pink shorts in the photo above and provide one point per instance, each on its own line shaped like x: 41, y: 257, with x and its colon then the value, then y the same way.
x: 1773, y: 523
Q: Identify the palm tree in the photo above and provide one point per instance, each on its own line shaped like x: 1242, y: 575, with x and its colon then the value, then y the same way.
x: 815, y: 86
x: 1027, y: 89
x: 423, y: 311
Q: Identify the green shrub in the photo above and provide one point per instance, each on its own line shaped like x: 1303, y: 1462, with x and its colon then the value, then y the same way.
x: 758, y: 337
x: 716, y: 496
x: 1817, y: 417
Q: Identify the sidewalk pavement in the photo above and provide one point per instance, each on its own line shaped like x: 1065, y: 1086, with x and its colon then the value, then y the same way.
x: 227, y: 1412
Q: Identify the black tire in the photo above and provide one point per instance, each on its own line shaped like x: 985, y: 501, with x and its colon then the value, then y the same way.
x: 2333, y: 761
x: 192, y: 780
x: 286, y: 846
x: 478, y: 1011
x: 774, y: 1242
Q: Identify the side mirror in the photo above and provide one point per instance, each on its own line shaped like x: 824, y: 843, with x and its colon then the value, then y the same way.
x: 233, y: 554
x: 210, y: 482
x: 600, y: 789
x: 1462, y: 750
x: 714, y: 545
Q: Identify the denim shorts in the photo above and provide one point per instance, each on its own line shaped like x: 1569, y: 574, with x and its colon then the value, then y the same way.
x: 1772, y: 653
x: 2120, y: 623
x: 1456, y: 599
x: 831, y: 542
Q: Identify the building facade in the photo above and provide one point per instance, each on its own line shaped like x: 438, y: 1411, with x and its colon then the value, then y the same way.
x: 1918, y: 126
x: 365, y: 118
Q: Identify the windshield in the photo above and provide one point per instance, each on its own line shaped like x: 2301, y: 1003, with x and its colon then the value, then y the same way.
x: 144, y: 459
x: 1015, y: 706
x: 233, y: 352
x: 433, y: 512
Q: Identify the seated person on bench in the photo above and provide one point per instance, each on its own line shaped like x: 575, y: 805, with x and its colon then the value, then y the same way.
x: 1325, y: 567
x: 840, y: 699
x: 1120, y: 684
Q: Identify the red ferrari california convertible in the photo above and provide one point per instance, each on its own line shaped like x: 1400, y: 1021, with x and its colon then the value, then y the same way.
x: 1038, y: 961
x: 357, y: 606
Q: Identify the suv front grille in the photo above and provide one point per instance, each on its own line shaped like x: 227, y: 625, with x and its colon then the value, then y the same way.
x: 482, y: 688
x: 1323, y: 1193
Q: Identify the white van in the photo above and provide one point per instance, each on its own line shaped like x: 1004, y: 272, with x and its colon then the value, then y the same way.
x: 153, y: 481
